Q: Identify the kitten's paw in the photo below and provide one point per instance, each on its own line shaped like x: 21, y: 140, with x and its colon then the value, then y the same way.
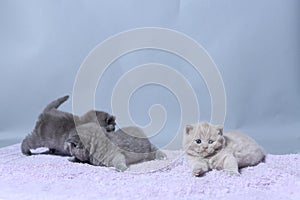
x: 199, y: 172
x: 159, y: 155
x: 121, y: 167
x: 73, y: 159
x: 232, y: 172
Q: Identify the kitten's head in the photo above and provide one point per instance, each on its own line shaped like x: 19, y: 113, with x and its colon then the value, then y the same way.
x: 76, y: 148
x: 203, y: 139
x: 104, y: 119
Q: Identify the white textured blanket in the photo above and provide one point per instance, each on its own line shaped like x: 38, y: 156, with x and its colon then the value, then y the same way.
x: 54, y: 177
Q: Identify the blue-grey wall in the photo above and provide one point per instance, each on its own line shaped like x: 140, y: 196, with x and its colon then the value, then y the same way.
x: 255, y: 45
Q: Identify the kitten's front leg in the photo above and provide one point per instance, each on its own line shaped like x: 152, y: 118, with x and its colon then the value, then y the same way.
x: 199, y: 166
x: 230, y: 165
x: 119, y: 162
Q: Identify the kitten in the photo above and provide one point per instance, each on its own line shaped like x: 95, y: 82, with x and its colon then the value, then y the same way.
x: 54, y: 127
x: 208, y: 148
x: 118, y: 149
x: 135, y: 145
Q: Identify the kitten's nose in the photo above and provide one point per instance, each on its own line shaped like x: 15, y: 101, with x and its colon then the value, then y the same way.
x: 204, y: 145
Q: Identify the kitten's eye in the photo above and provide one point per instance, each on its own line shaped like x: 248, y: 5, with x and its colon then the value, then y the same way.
x: 210, y: 141
x: 198, y: 141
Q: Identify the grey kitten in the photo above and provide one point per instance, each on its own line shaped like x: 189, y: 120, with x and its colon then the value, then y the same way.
x: 208, y: 148
x: 54, y: 127
x: 118, y: 149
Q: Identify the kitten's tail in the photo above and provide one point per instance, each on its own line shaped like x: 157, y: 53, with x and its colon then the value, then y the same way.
x: 56, y: 103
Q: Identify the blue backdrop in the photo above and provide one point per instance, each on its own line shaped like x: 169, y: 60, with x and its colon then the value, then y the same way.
x: 255, y: 45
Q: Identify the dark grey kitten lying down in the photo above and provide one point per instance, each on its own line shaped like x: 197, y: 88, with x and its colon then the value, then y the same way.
x: 112, y: 149
x: 54, y: 127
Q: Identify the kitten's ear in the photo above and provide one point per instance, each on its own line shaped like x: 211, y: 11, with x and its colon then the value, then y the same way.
x: 111, y: 119
x: 188, y: 129
x: 220, y: 129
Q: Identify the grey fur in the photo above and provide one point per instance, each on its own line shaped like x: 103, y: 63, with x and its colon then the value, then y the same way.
x: 54, y: 127
x: 135, y: 145
x: 113, y: 149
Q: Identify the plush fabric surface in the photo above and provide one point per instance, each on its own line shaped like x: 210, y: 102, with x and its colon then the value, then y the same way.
x: 54, y: 177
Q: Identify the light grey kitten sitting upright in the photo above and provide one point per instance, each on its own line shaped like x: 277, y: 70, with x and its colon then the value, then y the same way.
x: 54, y: 127
x: 208, y: 148
x: 118, y: 149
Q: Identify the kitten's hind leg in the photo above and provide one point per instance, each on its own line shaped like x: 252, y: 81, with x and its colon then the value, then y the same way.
x: 25, y: 148
x: 30, y: 142
x: 56, y: 103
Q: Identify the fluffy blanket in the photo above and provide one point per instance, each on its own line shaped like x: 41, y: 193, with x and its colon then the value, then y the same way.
x: 54, y: 177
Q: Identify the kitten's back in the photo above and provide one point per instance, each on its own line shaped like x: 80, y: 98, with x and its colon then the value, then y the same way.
x: 244, y: 148
x: 131, y: 139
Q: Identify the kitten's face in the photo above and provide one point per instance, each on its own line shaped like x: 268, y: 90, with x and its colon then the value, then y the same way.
x: 76, y: 148
x: 203, y: 139
x: 106, y: 120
